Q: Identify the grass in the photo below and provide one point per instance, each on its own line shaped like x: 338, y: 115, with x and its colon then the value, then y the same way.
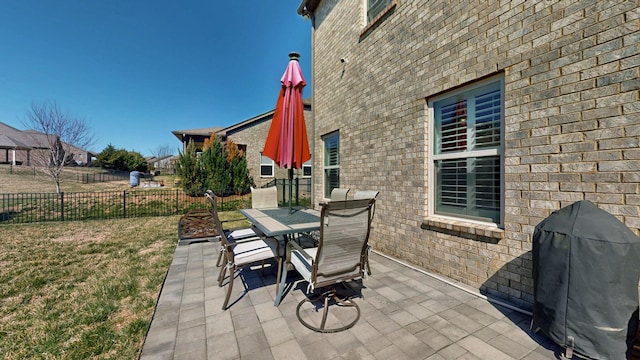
x: 24, y: 179
x: 82, y: 289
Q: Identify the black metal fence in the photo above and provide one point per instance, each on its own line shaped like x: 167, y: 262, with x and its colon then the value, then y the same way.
x: 88, y: 178
x: 300, y: 191
x: 84, y: 177
x: 38, y: 207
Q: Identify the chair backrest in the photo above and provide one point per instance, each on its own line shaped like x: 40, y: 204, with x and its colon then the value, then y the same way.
x: 343, y: 241
x: 367, y: 194
x: 213, y: 200
x: 263, y: 198
x: 339, y: 194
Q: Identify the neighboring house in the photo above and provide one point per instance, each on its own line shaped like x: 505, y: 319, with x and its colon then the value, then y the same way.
x: 22, y: 147
x: 475, y: 120
x: 250, y: 136
x: 164, y: 162
x: 197, y: 135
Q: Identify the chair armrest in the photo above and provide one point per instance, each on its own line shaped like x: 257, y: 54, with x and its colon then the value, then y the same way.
x: 299, y: 248
x: 252, y: 236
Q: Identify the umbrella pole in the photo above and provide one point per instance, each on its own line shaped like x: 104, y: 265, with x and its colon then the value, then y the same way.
x: 290, y: 189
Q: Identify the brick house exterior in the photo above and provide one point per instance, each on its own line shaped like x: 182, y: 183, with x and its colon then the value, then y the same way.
x: 251, y: 135
x: 566, y: 75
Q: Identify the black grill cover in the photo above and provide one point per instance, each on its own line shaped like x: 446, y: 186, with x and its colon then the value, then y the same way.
x: 586, y: 265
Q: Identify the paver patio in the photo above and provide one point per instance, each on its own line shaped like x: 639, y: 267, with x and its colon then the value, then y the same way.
x: 406, y: 314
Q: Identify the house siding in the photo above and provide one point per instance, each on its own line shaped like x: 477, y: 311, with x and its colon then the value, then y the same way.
x: 254, y: 137
x: 571, y: 119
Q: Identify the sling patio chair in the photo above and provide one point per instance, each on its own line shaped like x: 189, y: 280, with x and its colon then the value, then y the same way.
x: 339, y: 257
x: 242, y: 233
x: 339, y: 194
x: 367, y: 194
x: 264, y: 198
x: 242, y: 252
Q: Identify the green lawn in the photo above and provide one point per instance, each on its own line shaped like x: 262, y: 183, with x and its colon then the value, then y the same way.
x: 78, y: 290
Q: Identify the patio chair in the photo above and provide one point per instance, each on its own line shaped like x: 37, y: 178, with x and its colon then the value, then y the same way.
x: 339, y: 257
x: 339, y: 194
x: 367, y: 194
x: 237, y: 234
x: 242, y: 252
x: 264, y: 198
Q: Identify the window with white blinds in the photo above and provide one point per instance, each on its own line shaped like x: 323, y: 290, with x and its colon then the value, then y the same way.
x: 468, y: 153
x: 374, y: 7
x: 306, y: 169
x: 266, y: 166
x: 331, y: 163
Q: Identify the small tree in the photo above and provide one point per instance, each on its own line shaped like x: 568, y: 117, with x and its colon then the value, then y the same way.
x: 215, y: 168
x: 241, y: 180
x: 188, y: 168
x: 57, y: 133
x: 121, y: 159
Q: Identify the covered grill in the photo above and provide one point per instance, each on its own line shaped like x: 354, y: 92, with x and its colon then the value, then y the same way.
x: 586, y: 266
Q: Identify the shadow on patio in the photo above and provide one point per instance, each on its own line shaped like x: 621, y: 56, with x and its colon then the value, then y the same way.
x: 406, y: 314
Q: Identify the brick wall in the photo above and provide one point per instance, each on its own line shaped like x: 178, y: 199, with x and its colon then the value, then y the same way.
x: 254, y: 137
x: 572, y: 119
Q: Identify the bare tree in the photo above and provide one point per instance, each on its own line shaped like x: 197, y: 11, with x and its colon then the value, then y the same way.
x: 162, y: 150
x: 58, y: 135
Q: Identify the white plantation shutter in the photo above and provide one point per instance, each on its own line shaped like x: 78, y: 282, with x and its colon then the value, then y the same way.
x: 331, y: 163
x: 375, y: 7
x: 468, y: 153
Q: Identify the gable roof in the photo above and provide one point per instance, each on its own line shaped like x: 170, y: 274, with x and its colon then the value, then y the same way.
x: 26, y: 139
x: 7, y: 142
x: 206, y: 132
x: 256, y: 120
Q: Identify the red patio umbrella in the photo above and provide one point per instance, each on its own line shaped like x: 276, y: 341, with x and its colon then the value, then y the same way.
x: 287, y: 143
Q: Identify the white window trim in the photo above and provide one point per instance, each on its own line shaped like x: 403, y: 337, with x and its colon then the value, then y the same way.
x: 431, y: 158
x: 273, y: 167
x: 324, y: 165
x: 365, y: 4
x: 309, y: 165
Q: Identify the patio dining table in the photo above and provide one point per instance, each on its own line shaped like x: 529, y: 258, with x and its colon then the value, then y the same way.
x: 283, y: 221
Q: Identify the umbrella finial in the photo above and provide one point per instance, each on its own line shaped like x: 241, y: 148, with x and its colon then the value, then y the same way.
x: 294, y: 56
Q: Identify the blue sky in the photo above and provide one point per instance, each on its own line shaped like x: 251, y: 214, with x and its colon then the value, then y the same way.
x: 137, y: 69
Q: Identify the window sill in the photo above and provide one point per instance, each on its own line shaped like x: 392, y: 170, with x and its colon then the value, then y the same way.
x: 478, y: 232
x: 381, y: 16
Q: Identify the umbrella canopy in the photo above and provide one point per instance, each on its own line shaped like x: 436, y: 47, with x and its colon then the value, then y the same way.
x: 287, y: 143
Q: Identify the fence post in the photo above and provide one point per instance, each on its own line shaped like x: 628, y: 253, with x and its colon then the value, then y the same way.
x: 62, y: 206
x: 124, y: 204
x: 297, y: 191
x: 177, y: 203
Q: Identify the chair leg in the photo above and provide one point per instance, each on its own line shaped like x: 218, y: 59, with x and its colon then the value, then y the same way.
x: 221, y: 275
x: 342, y: 302
x: 281, y: 284
x: 232, y: 273
x: 367, y: 259
x: 219, y: 263
x: 279, y: 259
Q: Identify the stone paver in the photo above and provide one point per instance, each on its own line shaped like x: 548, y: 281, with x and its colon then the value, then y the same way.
x: 406, y: 314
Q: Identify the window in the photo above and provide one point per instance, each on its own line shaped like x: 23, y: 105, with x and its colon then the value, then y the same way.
x: 331, y: 163
x: 306, y: 169
x: 467, y: 167
x: 266, y: 166
x: 375, y: 7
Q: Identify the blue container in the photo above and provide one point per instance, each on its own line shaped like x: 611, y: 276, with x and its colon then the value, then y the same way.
x: 134, y: 178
